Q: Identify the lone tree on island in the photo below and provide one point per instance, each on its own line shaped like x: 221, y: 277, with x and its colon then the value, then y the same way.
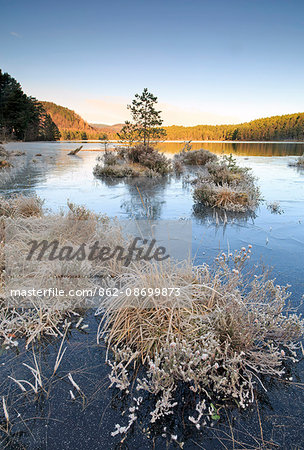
x: 147, y: 120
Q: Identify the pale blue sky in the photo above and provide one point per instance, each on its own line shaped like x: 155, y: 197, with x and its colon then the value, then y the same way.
x: 207, y: 61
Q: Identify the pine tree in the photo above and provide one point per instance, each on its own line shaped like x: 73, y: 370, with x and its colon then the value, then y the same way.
x: 147, y: 119
x: 22, y: 117
x: 129, y: 133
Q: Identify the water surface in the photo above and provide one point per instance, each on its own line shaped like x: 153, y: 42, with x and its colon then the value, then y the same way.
x: 277, y: 240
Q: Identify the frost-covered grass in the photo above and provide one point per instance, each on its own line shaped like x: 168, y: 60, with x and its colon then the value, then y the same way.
x: 31, y: 316
x: 190, y: 157
x: 132, y: 162
x: 21, y: 206
x: 275, y: 208
x: 220, y: 182
x: 212, y: 332
x: 218, y: 338
x: 10, y: 164
x: 227, y: 186
x: 298, y: 163
x: 230, y: 198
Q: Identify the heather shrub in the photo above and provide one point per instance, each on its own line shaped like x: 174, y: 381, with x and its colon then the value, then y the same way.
x: 275, y: 208
x: 226, y: 171
x: 178, y: 167
x: 220, y: 173
x: 32, y: 316
x: 3, y: 152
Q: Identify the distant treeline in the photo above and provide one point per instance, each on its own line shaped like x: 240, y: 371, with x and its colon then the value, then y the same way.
x: 289, y: 127
x: 23, y: 117
x: 68, y: 135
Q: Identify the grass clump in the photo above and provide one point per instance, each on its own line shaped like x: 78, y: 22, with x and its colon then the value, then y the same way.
x: 120, y: 171
x: 149, y: 157
x: 10, y: 164
x: 132, y: 162
x: 216, y: 338
x: 21, y: 206
x: 222, y: 196
x: 275, y: 208
x: 227, y: 186
x: 5, y: 158
x: 190, y: 157
x: 298, y: 163
x: 31, y: 316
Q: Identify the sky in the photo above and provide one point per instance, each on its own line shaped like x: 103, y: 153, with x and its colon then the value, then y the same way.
x: 207, y: 61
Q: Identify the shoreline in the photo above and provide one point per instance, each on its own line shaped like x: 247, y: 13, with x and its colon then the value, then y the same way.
x: 114, y: 141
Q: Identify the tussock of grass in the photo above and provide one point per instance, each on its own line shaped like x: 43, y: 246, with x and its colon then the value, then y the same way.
x: 298, y: 163
x: 224, y: 197
x: 21, y: 206
x: 9, y: 164
x: 190, y: 157
x: 226, y: 186
x: 217, y: 337
x: 4, y: 164
x: 275, y: 208
x: 132, y: 162
x: 121, y: 171
x: 6, y: 154
x: 31, y: 316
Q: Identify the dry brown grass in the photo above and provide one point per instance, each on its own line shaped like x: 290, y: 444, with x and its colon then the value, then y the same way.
x: 217, y: 337
x: 226, y: 186
x: 21, y: 206
x: 224, y: 197
x: 23, y: 219
x: 146, y: 322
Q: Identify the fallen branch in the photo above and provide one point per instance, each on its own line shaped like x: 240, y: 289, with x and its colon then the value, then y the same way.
x: 74, y: 152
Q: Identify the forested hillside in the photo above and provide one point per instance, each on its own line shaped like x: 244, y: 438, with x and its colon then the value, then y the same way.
x: 72, y: 126
x: 276, y: 128
x: 23, y: 117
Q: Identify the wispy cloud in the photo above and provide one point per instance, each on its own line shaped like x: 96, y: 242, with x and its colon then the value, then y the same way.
x: 17, y: 35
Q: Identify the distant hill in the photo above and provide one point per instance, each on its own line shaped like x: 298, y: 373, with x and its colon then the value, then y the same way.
x: 102, y: 126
